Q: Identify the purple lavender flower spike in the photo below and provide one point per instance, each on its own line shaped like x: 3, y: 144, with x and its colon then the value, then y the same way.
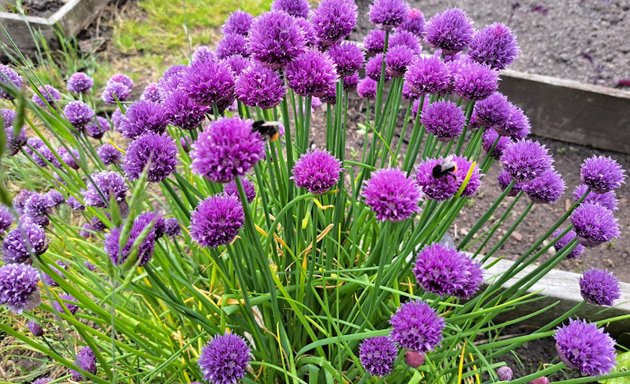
x: 489, y: 138
x: 6, y: 220
x: 109, y: 154
x: 608, y: 199
x: 397, y: 60
x: 347, y: 57
x: 437, y: 188
x: 377, y: 355
x: 599, y: 287
x: 35, y: 328
x: 156, y: 152
x: 594, y: 224
x: 152, y: 93
x: 586, y: 348
x: 275, y: 39
x: 317, y: 171
x: 232, y: 45
x: 428, y: 75
x: 97, y: 128
x: 374, y: 42
x: 445, y: 271
x: 18, y: 287
x: 416, y: 326
x: 227, y: 148
x: 216, y: 221
x: 295, y: 8
x: 373, y: 68
x: 50, y: 96
x: 415, y: 23
x: 405, y: 39
x: 9, y: 77
x: 224, y: 360
x: 333, y: 20
x: 110, y: 185
x: 546, y: 189
x: 239, y: 23
x: 312, y: 73
x: 602, y: 174
x: 259, y: 86
x: 79, y: 82
x: 142, y: 117
x: 526, y: 160
x: 86, y: 361
x: 451, y: 31
x: 78, y: 114
x: 444, y: 119
x: 250, y: 190
x: 209, y: 83
x: 391, y: 195
x: 388, y: 14
x: 184, y: 112
x: 494, y: 45
x: 18, y: 244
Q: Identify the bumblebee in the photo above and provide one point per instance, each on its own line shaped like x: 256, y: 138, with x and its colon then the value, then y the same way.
x: 268, y: 129
x: 447, y: 167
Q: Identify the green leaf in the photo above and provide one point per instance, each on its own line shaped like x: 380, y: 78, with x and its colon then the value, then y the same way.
x: 623, y: 365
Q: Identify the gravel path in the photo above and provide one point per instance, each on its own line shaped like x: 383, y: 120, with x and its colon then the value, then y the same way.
x: 584, y: 40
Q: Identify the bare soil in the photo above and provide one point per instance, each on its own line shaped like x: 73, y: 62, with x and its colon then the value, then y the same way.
x: 41, y: 8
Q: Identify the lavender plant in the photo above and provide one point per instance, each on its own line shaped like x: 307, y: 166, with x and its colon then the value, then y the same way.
x: 197, y: 233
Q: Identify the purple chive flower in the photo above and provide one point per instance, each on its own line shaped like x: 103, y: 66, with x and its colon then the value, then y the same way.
x: 428, y: 75
x: 152, y: 93
x: 69, y: 301
x: 347, y: 57
x: 444, y: 119
x: 18, y: 287
x: 75, y: 204
x: 259, y: 86
x: 224, y: 359
x: 397, y: 60
x: 333, y: 20
x: 144, y: 249
x: 79, y: 82
x: 109, y: 154
x: 405, y: 39
x: 526, y: 159
x: 250, y: 190
x: 594, y: 224
x: 115, y: 92
x: 445, y: 271
x: 97, y: 129
x: 173, y: 78
x: 388, y: 14
x: 37, y: 208
x: 416, y: 326
x: 85, y: 360
x: 489, y: 138
x: 414, y: 23
x: 516, y: 126
x: 373, y: 68
x: 391, y: 195
x: 505, y: 373
x: 350, y: 82
x: 121, y: 78
x: 184, y: 112
x: 209, y: 83
x: 18, y: 244
x: 78, y: 114
x: 330, y: 97
x: 463, y: 167
x: 312, y: 73
x: 494, y: 45
x: 275, y: 39
x: 8, y: 116
x: 109, y: 184
x: 117, y: 119
x: 546, y: 189
x: 186, y: 143
x: 41, y: 154
x: 227, y: 148
x: 50, y: 96
x: 239, y: 23
x: 35, y: 328
x: 450, y: 31
x: 474, y: 81
x: 14, y: 142
x: 607, y: 199
x: 55, y: 197
x: 295, y: 8
x: 374, y: 41
x: 9, y: 77
x: 6, y: 219
x: 308, y: 32
x: 599, y: 287
x: 602, y: 174
x: 377, y: 355
x: 493, y: 111
x: 156, y: 152
x: 585, y: 347
x: 367, y: 88
x: 317, y: 171
x: 19, y: 201
x: 42, y: 380
x: 171, y: 227
x: 58, y: 269
x: 216, y: 221
x: 232, y: 45
x: 70, y: 157
x: 143, y: 116
x: 236, y: 64
x: 441, y: 188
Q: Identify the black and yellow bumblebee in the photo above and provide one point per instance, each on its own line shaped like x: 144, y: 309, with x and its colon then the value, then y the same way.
x: 268, y: 129
x: 447, y: 167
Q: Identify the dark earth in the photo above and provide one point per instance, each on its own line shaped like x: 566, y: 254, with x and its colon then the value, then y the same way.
x: 42, y: 8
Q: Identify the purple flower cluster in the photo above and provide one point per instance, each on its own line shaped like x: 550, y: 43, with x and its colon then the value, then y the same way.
x: 23, y: 240
x: 259, y: 86
x: 606, y: 199
x: 224, y: 359
x: 585, y: 347
x: 377, y: 355
x: 374, y: 66
x: 564, y: 241
x: 526, y: 160
x: 18, y: 287
x: 118, y: 89
x: 474, y: 81
x: 594, y: 224
x: 238, y: 23
x: 184, y: 112
x: 103, y: 187
x: 416, y: 326
x: 445, y: 271
x: 388, y: 14
x: 444, y: 119
x: 602, y: 174
x: 317, y: 171
x: 216, y: 220
x: 333, y: 20
x: 494, y: 45
x: 450, y: 31
x: 275, y: 39
x: 209, y: 83
x: 86, y: 360
x: 599, y: 287
x: 9, y: 77
x: 347, y: 57
x: 154, y: 152
x: 312, y: 73
x: 109, y: 154
x: 414, y: 23
x: 492, y: 139
x: 374, y: 42
x: 232, y: 45
x: 79, y: 82
x: 427, y: 75
x: 6, y: 220
x: 391, y: 195
x: 397, y: 60
x: 78, y: 114
x: 546, y: 188
x: 49, y: 96
x: 295, y: 8
x: 141, y: 117
x: 144, y: 248
x: 249, y: 188
x: 366, y: 88
x: 405, y: 39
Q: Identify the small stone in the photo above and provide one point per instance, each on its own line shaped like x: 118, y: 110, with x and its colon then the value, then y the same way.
x: 517, y: 236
